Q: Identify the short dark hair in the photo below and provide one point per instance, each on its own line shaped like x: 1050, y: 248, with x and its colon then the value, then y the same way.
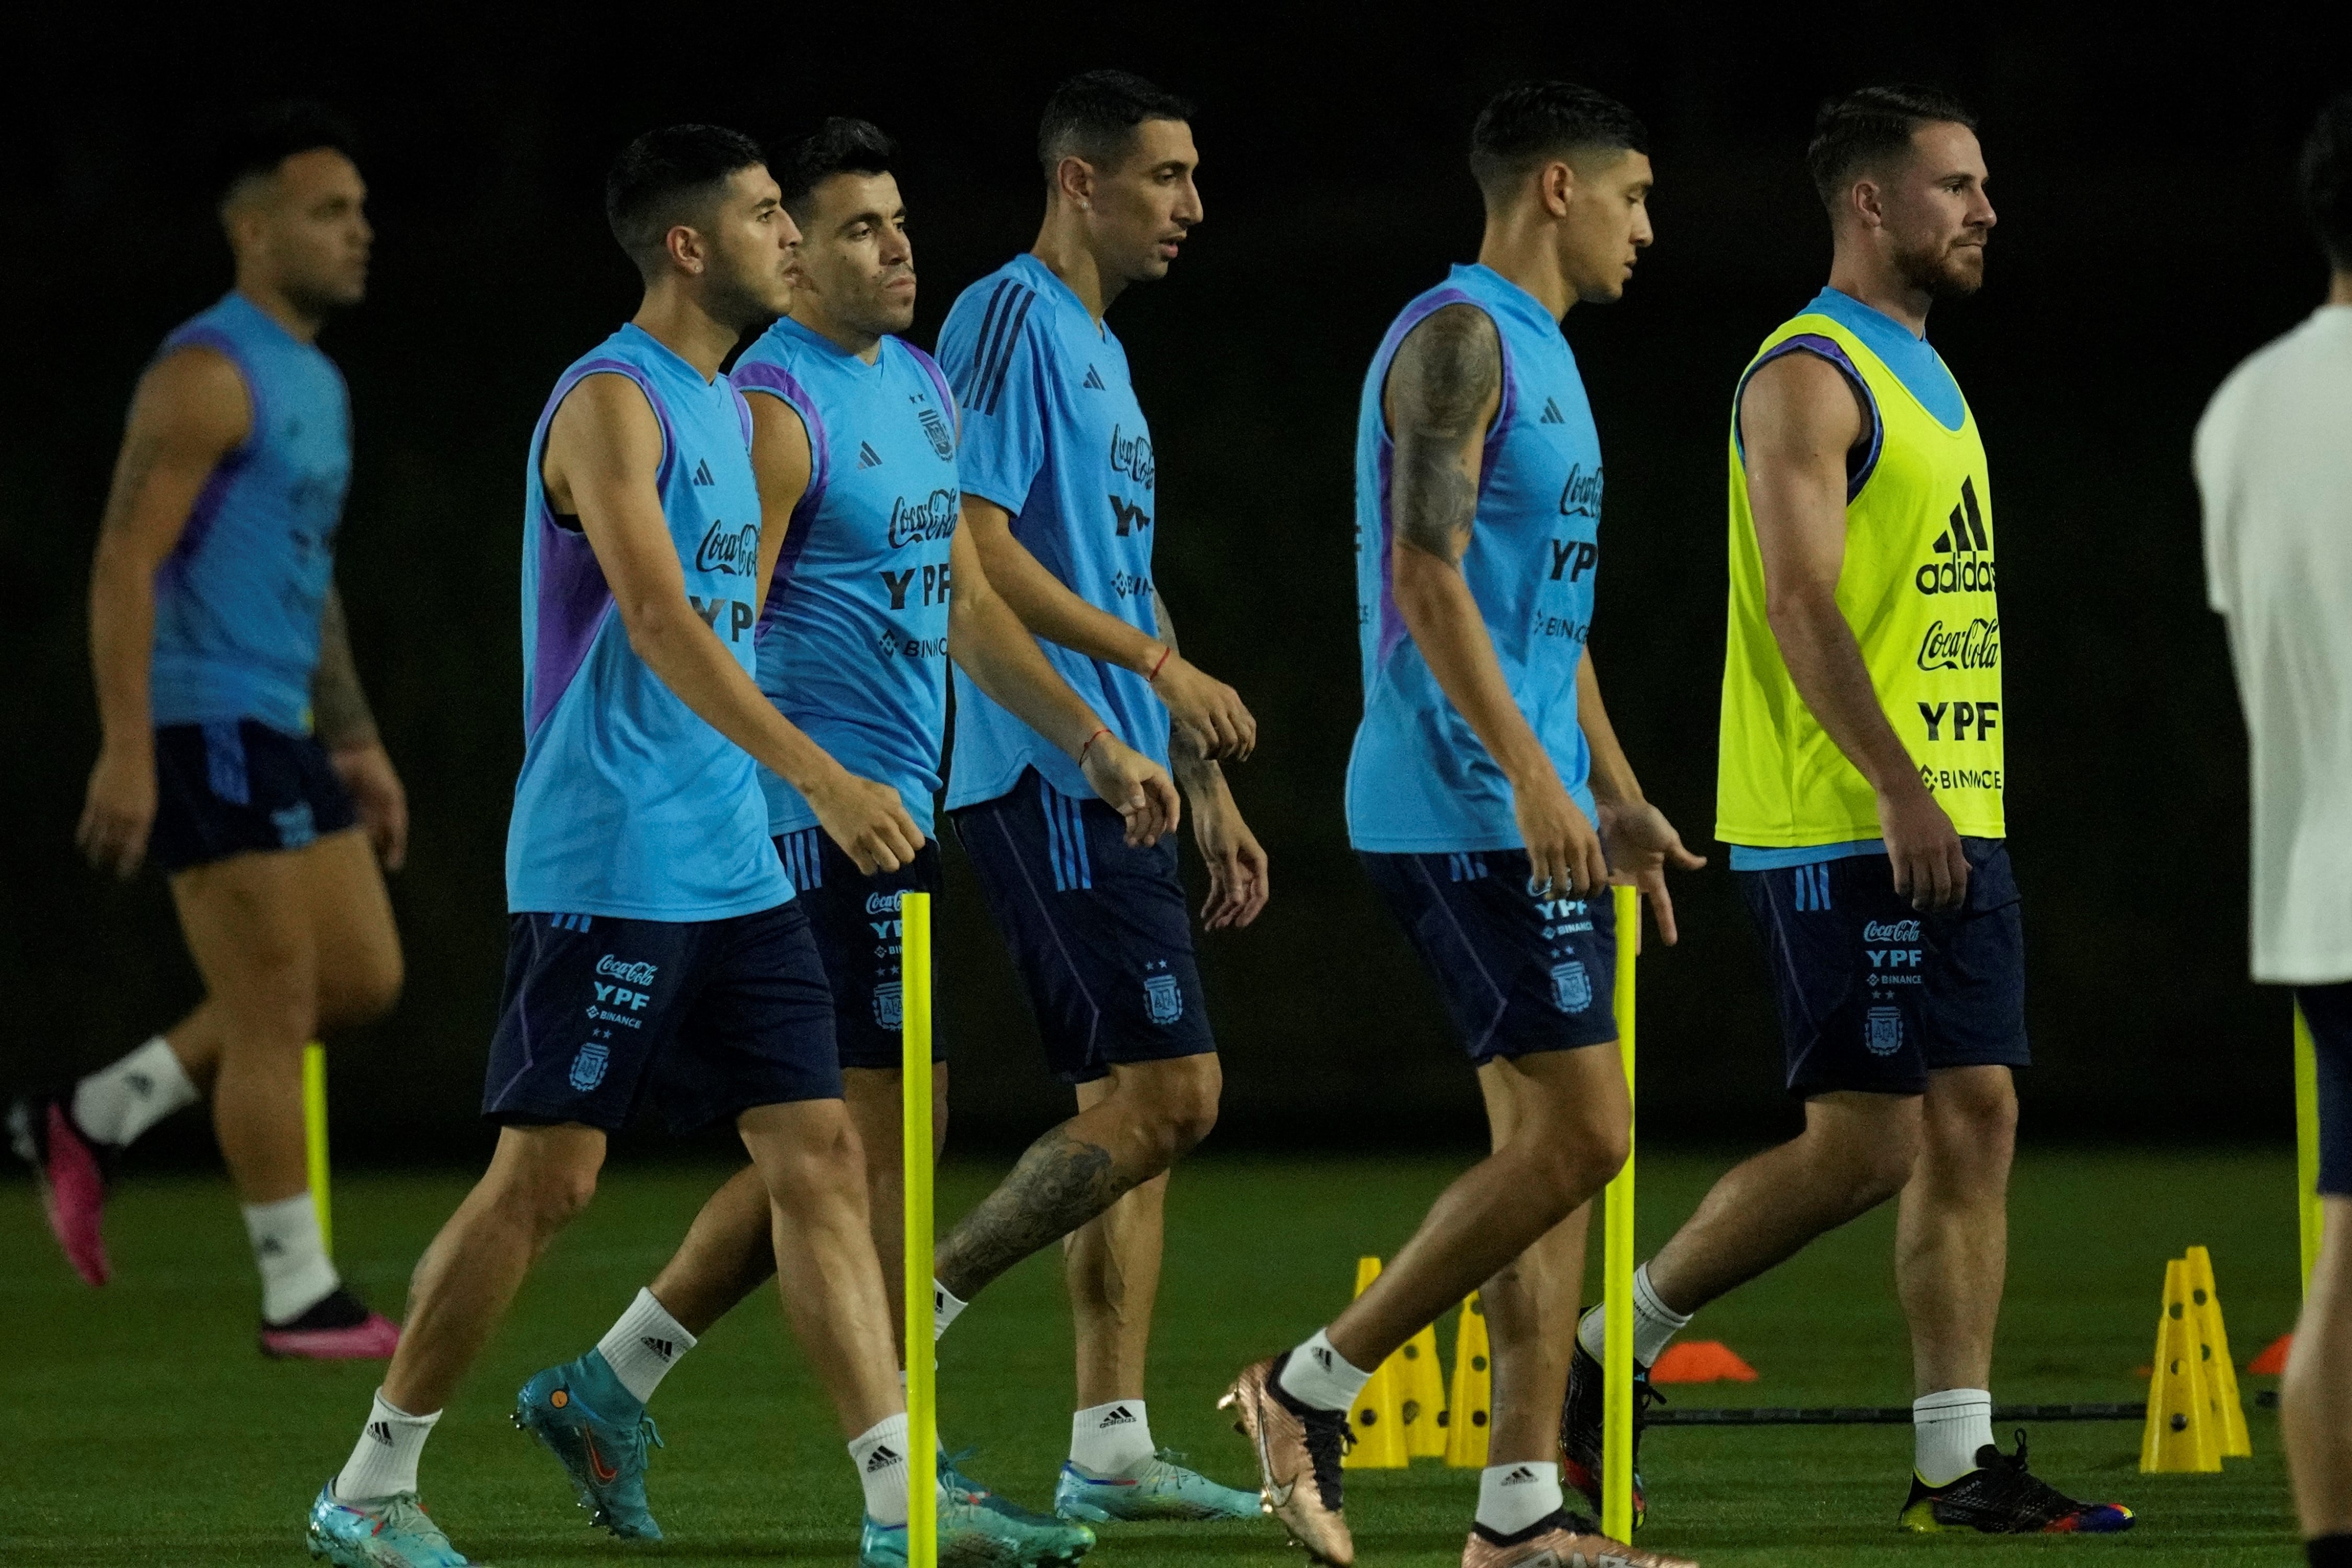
x: 1870, y: 124
x: 659, y: 178
x: 258, y: 140
x: 1094, y: 115
x: 839, y: 146
x: 1531, y: 121
x: 2327, y: 180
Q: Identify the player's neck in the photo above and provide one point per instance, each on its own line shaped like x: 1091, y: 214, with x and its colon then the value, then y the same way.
x: 1866, y: 277
x: 866, y: 345
x: 1526, y: 252
x: 676, y: 321
x: 2339, y: 290
x: 1062, y: 246
x: 275, y: 303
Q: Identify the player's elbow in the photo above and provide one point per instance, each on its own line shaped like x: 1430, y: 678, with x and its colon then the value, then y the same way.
x: 1425, y: 588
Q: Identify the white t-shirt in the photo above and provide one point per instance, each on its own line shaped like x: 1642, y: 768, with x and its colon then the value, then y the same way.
x: 2274, y: 466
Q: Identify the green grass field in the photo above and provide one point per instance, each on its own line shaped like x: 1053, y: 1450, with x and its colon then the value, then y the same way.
x: 139, y: 1425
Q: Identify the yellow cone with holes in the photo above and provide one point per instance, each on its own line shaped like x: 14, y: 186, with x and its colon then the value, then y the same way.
x: 1378, y: 1417
x: 2221, y: 1372
x: 1470, y: 1412
x: 2179, y: 1436
x: 1421, y: 1395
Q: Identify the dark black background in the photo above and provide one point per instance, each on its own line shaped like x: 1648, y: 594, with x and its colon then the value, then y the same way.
x: 2147, y: 240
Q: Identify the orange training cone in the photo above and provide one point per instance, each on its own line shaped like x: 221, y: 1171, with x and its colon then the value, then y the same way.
x: 1701, y: 1360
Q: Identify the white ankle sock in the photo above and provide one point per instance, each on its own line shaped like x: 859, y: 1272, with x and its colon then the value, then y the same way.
x: 946, y: 1308
x: 1112, y: 1439
x: 116, y: 1104
x: 385, y: 1462
x: 1317, y: 1376
x: 1513, y: 1497
x: 1948, y: 1429
x: 643, y: 1344
x: 880, y: 1454
x: 295, y: 1273
x: 1654, y: 1323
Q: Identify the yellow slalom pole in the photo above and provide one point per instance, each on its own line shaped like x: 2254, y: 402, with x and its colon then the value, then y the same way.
x: 915, y: 1143
x: 314, y: 1140
x: 1617, y: 1267
x: 2307, y: 1143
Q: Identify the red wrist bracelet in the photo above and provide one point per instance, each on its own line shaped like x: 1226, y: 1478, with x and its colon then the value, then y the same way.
x: 1099, y: 732
x: 1164, y: 652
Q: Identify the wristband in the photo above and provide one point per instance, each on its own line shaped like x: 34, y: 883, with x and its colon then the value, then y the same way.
x: 1165, y: 651
x: 1099, y: 732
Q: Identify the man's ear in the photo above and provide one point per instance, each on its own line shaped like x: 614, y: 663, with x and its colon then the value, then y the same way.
x: 1074, y: 177
x: 1555, y: 187
x: 684, y: 246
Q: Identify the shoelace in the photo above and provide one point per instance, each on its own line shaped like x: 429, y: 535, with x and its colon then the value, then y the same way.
x: 1329, y: 1435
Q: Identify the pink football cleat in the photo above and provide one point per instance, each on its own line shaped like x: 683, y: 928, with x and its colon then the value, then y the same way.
x: 340, y: 1328
x: 69, y: 1170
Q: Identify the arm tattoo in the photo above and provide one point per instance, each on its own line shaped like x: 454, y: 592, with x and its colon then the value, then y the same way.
x: 338, y: 709
x: 1184, y: 757
x: 1441, y: 381
x: 1059, y: 1185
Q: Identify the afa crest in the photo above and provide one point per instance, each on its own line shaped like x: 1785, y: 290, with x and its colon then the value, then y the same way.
x: 1164, y: 997
x: 1571, y: 986
x: 888, y: 1010
x: 588, y: 1066
x: 942, y: 439
x: 1883, y: 1031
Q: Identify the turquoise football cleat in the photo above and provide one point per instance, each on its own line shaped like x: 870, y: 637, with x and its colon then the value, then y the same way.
x: 1162, y: 1489
x: 599, y: 1433
x: 386, y: 1533
x: 973, y: 1534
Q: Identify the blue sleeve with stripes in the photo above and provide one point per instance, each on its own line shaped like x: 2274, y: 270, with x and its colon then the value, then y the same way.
x: 995, y: 363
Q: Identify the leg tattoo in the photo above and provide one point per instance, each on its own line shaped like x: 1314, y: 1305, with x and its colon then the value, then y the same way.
x: 1060, y: 1183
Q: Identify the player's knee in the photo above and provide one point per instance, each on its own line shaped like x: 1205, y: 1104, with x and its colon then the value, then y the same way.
x: 1878, y: 1168
x: 545, y: 1195
x: 1183, y: 1106
x: 365, y: 992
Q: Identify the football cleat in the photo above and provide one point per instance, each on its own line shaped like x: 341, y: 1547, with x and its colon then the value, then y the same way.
x: 1299, y: 1453
x: 598, y: 1433
x: 1161, y: 1489
x: 1562, y: 1540
x: 1580, y: 1429
x: 2000, y: 1497
x: 383, y: 1532
x: 338, y: 1327
x: 974, y: 1535
x: 70, y: 1169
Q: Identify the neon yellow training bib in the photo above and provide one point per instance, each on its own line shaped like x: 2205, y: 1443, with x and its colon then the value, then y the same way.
x: 1917, y: 588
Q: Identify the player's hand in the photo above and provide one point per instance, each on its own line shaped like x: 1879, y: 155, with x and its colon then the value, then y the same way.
x: 1206, y: 710
x: 1239, y: 877
x: 867, y: 820
x: 367, y: 773
x: 1642, y: 844
x: 1135, y: 787
x: 1930, y: 867
x: 1564, y: 858
x: 119, y: 811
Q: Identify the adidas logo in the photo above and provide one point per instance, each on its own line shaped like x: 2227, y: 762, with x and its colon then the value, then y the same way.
x: 381, y: 1431
x: 1518, y: 1477
x: 1122, y: 1416
x: 1322, y: 1355
x: 1094, y: 381
x: 270, y: 1246
x: 1552, y: 414
x: 140, y: 1084
x: 662, y: 1348
x: 882, y: 1458
x: 702, y: 473
x: 1967, y: 549
x: 867, y: 457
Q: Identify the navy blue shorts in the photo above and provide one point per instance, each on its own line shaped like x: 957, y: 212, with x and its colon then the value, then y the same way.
x: 1519, y: 973
x: 701, y: 1019
x: 854, y: 918
x: 236, y: 786
x: 2328, y: 1010
x: 1100, y: 931
x: 1873, y: 995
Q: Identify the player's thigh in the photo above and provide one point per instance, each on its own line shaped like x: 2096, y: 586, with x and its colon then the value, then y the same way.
x: 248, y: 930
x: 360, y: 965
x: 1974, y: 971
x: 758, y: 1031
x: 855, y: 922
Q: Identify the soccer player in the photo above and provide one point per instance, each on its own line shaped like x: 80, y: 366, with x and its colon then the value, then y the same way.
x: 238, y: 753
x: 1860, y: 788
x: 1059, y: 497
x: 658, y: 954
x: 2275, y: 472
x: 855, y: 441
x: 1488, y: 798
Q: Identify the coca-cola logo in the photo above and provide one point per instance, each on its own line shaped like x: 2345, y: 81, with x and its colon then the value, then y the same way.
x: 1891, y: 930
x: 1976, y: 646
x: 735, y: 552
x: 933, y: 517
x: 627, y: 974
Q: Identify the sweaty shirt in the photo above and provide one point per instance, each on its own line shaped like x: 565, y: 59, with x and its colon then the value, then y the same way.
x: 1053, y: 434
x: 854, y: 643
x: 238, y: 602
x: 629, y: 802
x: 1419, y: 780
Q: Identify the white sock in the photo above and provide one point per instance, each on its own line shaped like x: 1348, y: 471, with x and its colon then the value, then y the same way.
x: 946, y: 1308
x: 880, y: 1454
x: 1654, y: 1323
x: 1318, y: 1376
x: 1112, y: 1439
x: 385, y: 1462
x: 295, y: 1273
x: 643, y: 1344
x: 116, y: 1104
x: 1948, y: 1429
x: 1513, y: 1497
